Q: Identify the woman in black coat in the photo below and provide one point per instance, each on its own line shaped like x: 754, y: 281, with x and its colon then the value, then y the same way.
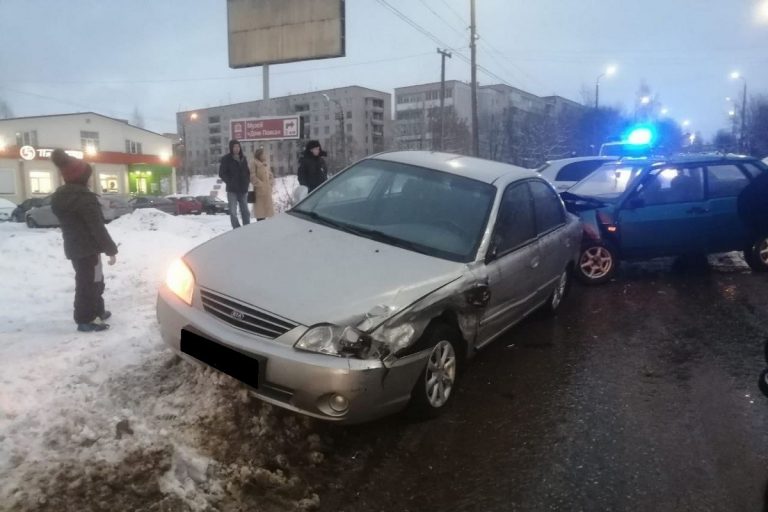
x: 312, y: 169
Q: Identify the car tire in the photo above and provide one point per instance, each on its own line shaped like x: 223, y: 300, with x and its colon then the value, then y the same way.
x: 31, y: 223
x: 762, y: 383
x: 560, y: 292
x: 597, y: 264
x: 436, y: 386
x: 756, y: 255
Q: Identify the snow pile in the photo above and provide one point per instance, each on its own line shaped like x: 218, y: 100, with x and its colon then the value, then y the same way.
x: 90, y: 420
x: 282, y: 191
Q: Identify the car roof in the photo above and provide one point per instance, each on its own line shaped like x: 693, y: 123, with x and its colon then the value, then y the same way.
x: 689, y: 159
x: 566, y: 161
x: 478, y: 169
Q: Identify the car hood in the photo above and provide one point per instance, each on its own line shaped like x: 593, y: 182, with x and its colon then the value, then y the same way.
x: 311, y: 274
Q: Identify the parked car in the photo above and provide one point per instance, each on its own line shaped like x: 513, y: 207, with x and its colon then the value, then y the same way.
x: 20, y: 213
x: 642, y: 209
x: 6, y: 209
x: 565, y: 173
x: 373, y: 291
x: 213, y: 205
x: 186, y: 205
x: 159, y: 203
x: 121, y: 205
x: 43, y: 217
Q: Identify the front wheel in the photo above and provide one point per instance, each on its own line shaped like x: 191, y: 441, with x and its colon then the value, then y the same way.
x: 31, y: 223
x: 756, y: 255
x: 597, y: 264
x: 762, y: 383
x: 436, y: 385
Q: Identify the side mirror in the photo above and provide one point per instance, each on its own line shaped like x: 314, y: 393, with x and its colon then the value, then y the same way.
x: 300, y: 193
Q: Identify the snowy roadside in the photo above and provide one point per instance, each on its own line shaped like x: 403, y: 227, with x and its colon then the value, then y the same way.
x: 90, y: 420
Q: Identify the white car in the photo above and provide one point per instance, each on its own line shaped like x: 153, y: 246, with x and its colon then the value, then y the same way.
x: 6, y: 209
x: 565, y: 173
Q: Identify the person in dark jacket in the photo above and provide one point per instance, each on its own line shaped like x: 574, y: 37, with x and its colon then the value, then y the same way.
x: 85, y: 239
x: 312, y: 169
x: 234, y: 171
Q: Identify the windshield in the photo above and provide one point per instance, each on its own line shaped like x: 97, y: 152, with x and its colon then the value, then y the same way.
x: 607, y: 183
x: 419, y: 209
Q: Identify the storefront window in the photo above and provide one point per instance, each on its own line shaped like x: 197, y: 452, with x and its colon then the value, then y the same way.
x: 109, y: 184
x: 40, y: 182
x: 7, y: 181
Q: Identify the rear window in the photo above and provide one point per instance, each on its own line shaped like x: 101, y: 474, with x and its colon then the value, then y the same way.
x: 577, y: 171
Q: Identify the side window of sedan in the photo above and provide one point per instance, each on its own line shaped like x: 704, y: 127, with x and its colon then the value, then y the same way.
x: 516, y: 222
x: 671, y: 185
x: 548, y: 207
x: 725, y: 180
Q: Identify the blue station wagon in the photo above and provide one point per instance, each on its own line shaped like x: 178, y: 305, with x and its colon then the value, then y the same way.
x: 638, y: 209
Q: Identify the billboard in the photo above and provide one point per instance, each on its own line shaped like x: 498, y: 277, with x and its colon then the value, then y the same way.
x: 277, y: 31
x: 265, y: 128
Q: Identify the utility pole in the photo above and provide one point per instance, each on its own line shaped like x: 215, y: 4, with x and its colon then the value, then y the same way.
x: 441, y: 143
x: 473, y: 46
x: 743, y: 144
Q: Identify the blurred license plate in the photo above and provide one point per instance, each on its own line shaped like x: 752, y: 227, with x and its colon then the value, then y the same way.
x: 235, y: 364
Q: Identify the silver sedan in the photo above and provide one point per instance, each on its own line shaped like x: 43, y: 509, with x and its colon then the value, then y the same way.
x: 372, y: 292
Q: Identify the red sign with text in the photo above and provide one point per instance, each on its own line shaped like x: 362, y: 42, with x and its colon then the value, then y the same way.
x: 265, y: 128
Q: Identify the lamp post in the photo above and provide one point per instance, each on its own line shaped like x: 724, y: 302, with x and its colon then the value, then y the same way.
x: 743, y: 136
x: 192, y: 117
x: 343, y: 130
x: 610, y: 71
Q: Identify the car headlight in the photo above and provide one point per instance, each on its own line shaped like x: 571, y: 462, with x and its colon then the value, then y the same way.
x: 181, y: 281
x: 336, y: 341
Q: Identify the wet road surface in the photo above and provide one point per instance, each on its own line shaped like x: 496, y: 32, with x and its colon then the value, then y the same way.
x: 640, y: 395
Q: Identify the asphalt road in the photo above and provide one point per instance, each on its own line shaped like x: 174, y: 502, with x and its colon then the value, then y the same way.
x: 640, y: 395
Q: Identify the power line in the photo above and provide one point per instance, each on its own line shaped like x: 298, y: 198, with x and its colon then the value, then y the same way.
x: 438, y: 16
x: 459, y: 16
x: 201, y: 79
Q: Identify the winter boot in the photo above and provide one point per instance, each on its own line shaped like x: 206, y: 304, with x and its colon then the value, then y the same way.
x: 105, y: 316
x: 96, y: 325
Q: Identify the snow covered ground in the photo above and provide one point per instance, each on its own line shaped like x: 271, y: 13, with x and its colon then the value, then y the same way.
x: 91, y: 420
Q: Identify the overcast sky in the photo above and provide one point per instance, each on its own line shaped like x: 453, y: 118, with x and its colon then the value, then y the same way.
x: 161, y: 56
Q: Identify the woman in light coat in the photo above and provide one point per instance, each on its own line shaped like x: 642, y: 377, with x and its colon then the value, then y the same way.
x: 262, y: 180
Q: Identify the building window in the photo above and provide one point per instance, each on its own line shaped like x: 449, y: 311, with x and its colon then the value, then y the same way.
x: 214, y: 130
x: 26, y: 138
x: 327, y: 117
x: 40, y: 182
x: 133, y: 147
x: 138, y: 149
x: 327, y: 130
x: 7, y: 181
x: 349, y: 127
x: 317, y: 131
x: 349, y: 114
x: 109, y: 184
x: 214, y: 119
x: 89, y: 141
x: 317, y: 118
x: 378, y: 103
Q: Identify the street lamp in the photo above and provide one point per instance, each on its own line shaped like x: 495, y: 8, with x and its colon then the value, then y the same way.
x: 743, y: 138
x: 343, y: 131
x: 686, y: 123
x: 645, y: 100
x: 664, y: 111
x: 192, y: 117
x: 610, y: 71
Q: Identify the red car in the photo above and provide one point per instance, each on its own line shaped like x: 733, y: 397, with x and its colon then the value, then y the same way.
x: 187, y: 205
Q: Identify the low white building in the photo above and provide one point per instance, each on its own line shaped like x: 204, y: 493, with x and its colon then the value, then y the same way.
x: 125, y: 159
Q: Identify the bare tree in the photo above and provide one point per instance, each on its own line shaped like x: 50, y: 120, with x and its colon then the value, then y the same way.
x: 138, y: 118
x: 5, y: 110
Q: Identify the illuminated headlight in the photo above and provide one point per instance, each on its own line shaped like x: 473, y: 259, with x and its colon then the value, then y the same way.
x: 181, y: 281
x: 335, y: 340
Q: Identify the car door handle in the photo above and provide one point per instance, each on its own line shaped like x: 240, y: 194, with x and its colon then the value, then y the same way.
x: 535, y: 262
x: 697, y: 210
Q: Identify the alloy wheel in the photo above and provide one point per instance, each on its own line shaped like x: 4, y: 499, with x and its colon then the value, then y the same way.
x: 441, y: 374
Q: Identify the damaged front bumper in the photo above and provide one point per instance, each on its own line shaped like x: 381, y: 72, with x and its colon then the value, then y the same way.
x: 304, y: 382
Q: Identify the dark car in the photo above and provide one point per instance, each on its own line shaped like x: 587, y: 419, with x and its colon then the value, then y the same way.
x: 20, y: 213
x: 213, y: 205
x: 638, y: 209
x: 121, y: 205
x: 187, y: 205
x: 159, y: 203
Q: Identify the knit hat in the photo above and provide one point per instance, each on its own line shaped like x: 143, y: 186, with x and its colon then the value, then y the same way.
x: 312, y: 144
x: 72, y: 170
